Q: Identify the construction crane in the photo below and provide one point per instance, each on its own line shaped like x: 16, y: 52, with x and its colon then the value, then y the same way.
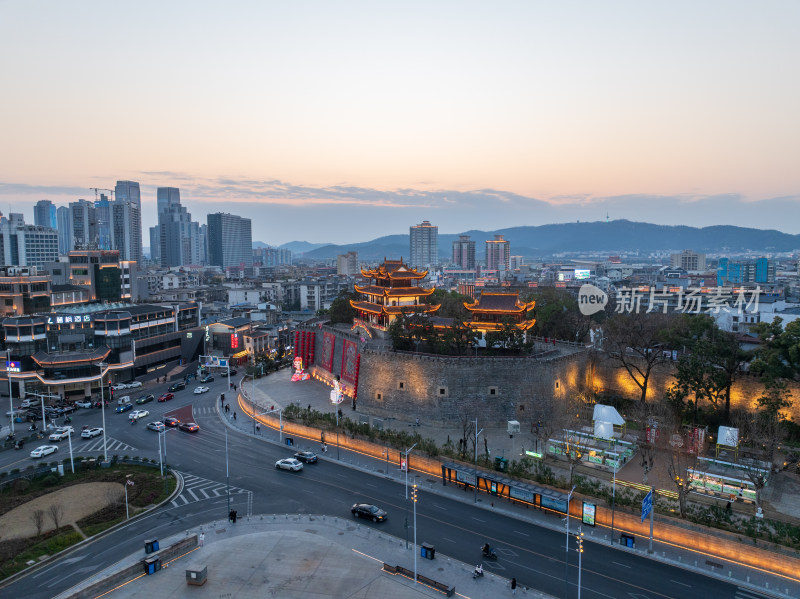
x: 96, y: 189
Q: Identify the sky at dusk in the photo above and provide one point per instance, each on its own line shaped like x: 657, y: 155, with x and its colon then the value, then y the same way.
x: 345, y: 121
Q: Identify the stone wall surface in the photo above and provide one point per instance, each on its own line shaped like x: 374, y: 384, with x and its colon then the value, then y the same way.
x: 445, y: 388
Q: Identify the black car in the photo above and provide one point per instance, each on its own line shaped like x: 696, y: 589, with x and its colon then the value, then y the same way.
x: 233, y: 371
x: 180, y: 385
x: 171, y: 421
x: 145, y: 399
x: 366, y: 510
x: 207, y: 378
x: 309, y: 457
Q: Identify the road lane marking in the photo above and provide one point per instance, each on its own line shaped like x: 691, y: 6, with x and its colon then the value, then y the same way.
x: 524, y: 534
x: 448, y: 540
x: 478, y: 519
x: 623, y: 565
x: 683, y: 584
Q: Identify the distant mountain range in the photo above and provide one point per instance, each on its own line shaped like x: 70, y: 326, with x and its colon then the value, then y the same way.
x: 611, y: 237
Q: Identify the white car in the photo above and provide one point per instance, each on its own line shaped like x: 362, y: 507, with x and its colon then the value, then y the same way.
x: 83, y: 404
x: 134, y: 385
x: 136, y: 414
x: 156, y: 426
x: 44, y: 450
x: 61, y: 433
x: 119, y: 386
x: 289, y: 464
x: 199, y: 390
x: 91, y: 432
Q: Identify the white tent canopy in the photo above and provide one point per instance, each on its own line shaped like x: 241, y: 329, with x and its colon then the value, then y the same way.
x: 605, y: 417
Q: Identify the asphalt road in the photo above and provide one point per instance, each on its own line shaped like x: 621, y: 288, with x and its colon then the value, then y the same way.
x: 534, y: 555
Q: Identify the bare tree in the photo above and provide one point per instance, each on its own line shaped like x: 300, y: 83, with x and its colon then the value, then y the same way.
x: 760, y: 435
x: 680, y: 453
x: 37, y: 517
x: 571, y: 419
x: 635, y: 343
x: 56, y: 513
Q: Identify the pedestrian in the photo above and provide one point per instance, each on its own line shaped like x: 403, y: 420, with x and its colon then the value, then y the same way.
x: 234, y: 516
x: 201, y: 538
x: 729, y: 507
x: 258, y: 429
x: 417, y: 421
x: 227, y: 408
x: 234, y: 415
x: 513, y: 586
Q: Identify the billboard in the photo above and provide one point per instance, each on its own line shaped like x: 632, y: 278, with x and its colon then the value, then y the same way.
x: 582, y: 273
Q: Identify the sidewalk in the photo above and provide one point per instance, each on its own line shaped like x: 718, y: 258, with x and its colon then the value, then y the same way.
x: 277, y: 391
x: 303, y: 557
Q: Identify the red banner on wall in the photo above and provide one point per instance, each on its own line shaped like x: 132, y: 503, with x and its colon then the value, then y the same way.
x: 349, y: 361
x: 328, y: 346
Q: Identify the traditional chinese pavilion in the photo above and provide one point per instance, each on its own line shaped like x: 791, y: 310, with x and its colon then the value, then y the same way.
x: 493, y: 308
x: 394, y: 289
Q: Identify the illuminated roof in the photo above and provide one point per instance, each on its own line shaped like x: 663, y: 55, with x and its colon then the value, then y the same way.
x: 394, y: 269
x: 500, y: 302
x: 395, y: 310
x: 497, y: 326
x: 72, y: 359
x: 393, y: 291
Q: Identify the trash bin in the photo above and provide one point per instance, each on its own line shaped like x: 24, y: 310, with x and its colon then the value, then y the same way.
x: 289, y: 441
x: 152, y: 565
x: 151, y: 546
x: 427, y: 550
x: 500, y: 464
x: 627, y: 540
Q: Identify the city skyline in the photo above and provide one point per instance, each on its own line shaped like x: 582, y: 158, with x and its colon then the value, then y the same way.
x: 346, y: 123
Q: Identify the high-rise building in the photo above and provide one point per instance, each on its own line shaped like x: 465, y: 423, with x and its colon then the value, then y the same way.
x: 125, y: 230
x: 44, y: 214
x: 128, y: 191
x: 347, y: 264
x: 760, y: 270
x: 155, y: 245
x: 102, y: 211
x: 180, y: 239
x: 424, y: 245
x: 688, y: 261
x: 498, y: 253
x: 230, y: 240
x: 83, y: 222
x: 464, y: 253
x: 64, y: 220
x: 26, y: 245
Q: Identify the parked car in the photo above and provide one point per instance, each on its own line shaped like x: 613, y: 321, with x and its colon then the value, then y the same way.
x: 136, y: 414
x: 133, y: 384
x: 156, y: 426
x: 177, y: 386
x: 209, y: 378
x: 189, y: 427
x: 91, y: 432
x: 367, y: 510
x: 119, y: 387
x: 44, y: 450
x: 289, y: 464
x: 166, y: 397
x: 199, y: 390
x: 83, y: 403
x: 61, y: 433
x: 145, y: 399
x: 309, y: 457
x: 171, y: 421
x: 124, y: 408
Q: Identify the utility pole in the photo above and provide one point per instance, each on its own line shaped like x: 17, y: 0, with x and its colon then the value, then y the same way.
x: 477, y: 434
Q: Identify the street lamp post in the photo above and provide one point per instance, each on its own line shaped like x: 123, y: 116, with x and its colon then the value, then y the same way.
x: 10, y: 397
x: 614, y: 497
x: 566, y: 556
x: 227, y: 472
x: 580, y: 555
x: 102, y: 365
x: 406, y: 467
x: 414, y: 499
x: 477, y: 434
x: 71, y: 461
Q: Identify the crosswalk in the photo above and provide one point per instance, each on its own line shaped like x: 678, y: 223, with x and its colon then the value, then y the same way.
x: 743, y: 593
x: 96, y: 444
x: 196, y: 488
x: 204, y: 411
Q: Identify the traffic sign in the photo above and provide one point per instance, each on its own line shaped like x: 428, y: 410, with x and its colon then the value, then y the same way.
x: 647, y: 505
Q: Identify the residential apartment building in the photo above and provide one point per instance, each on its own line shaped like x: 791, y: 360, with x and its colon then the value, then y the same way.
x: 26, y: 245
x: 498, y: 254
x: 347, y: 264
x: 230, y: 240
x: 760, y: 270
x: 424, y: 245
x: 688, y: 261
x: 64, y: 227
x: 464, y: 253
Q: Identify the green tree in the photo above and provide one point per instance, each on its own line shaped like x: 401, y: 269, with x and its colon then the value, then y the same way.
x: 557, y: 314
x: 341, y: 310
x: 452, y: 304
x: 709, y: 365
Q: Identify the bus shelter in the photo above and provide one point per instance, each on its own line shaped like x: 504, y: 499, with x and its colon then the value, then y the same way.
x: 497, y: 485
